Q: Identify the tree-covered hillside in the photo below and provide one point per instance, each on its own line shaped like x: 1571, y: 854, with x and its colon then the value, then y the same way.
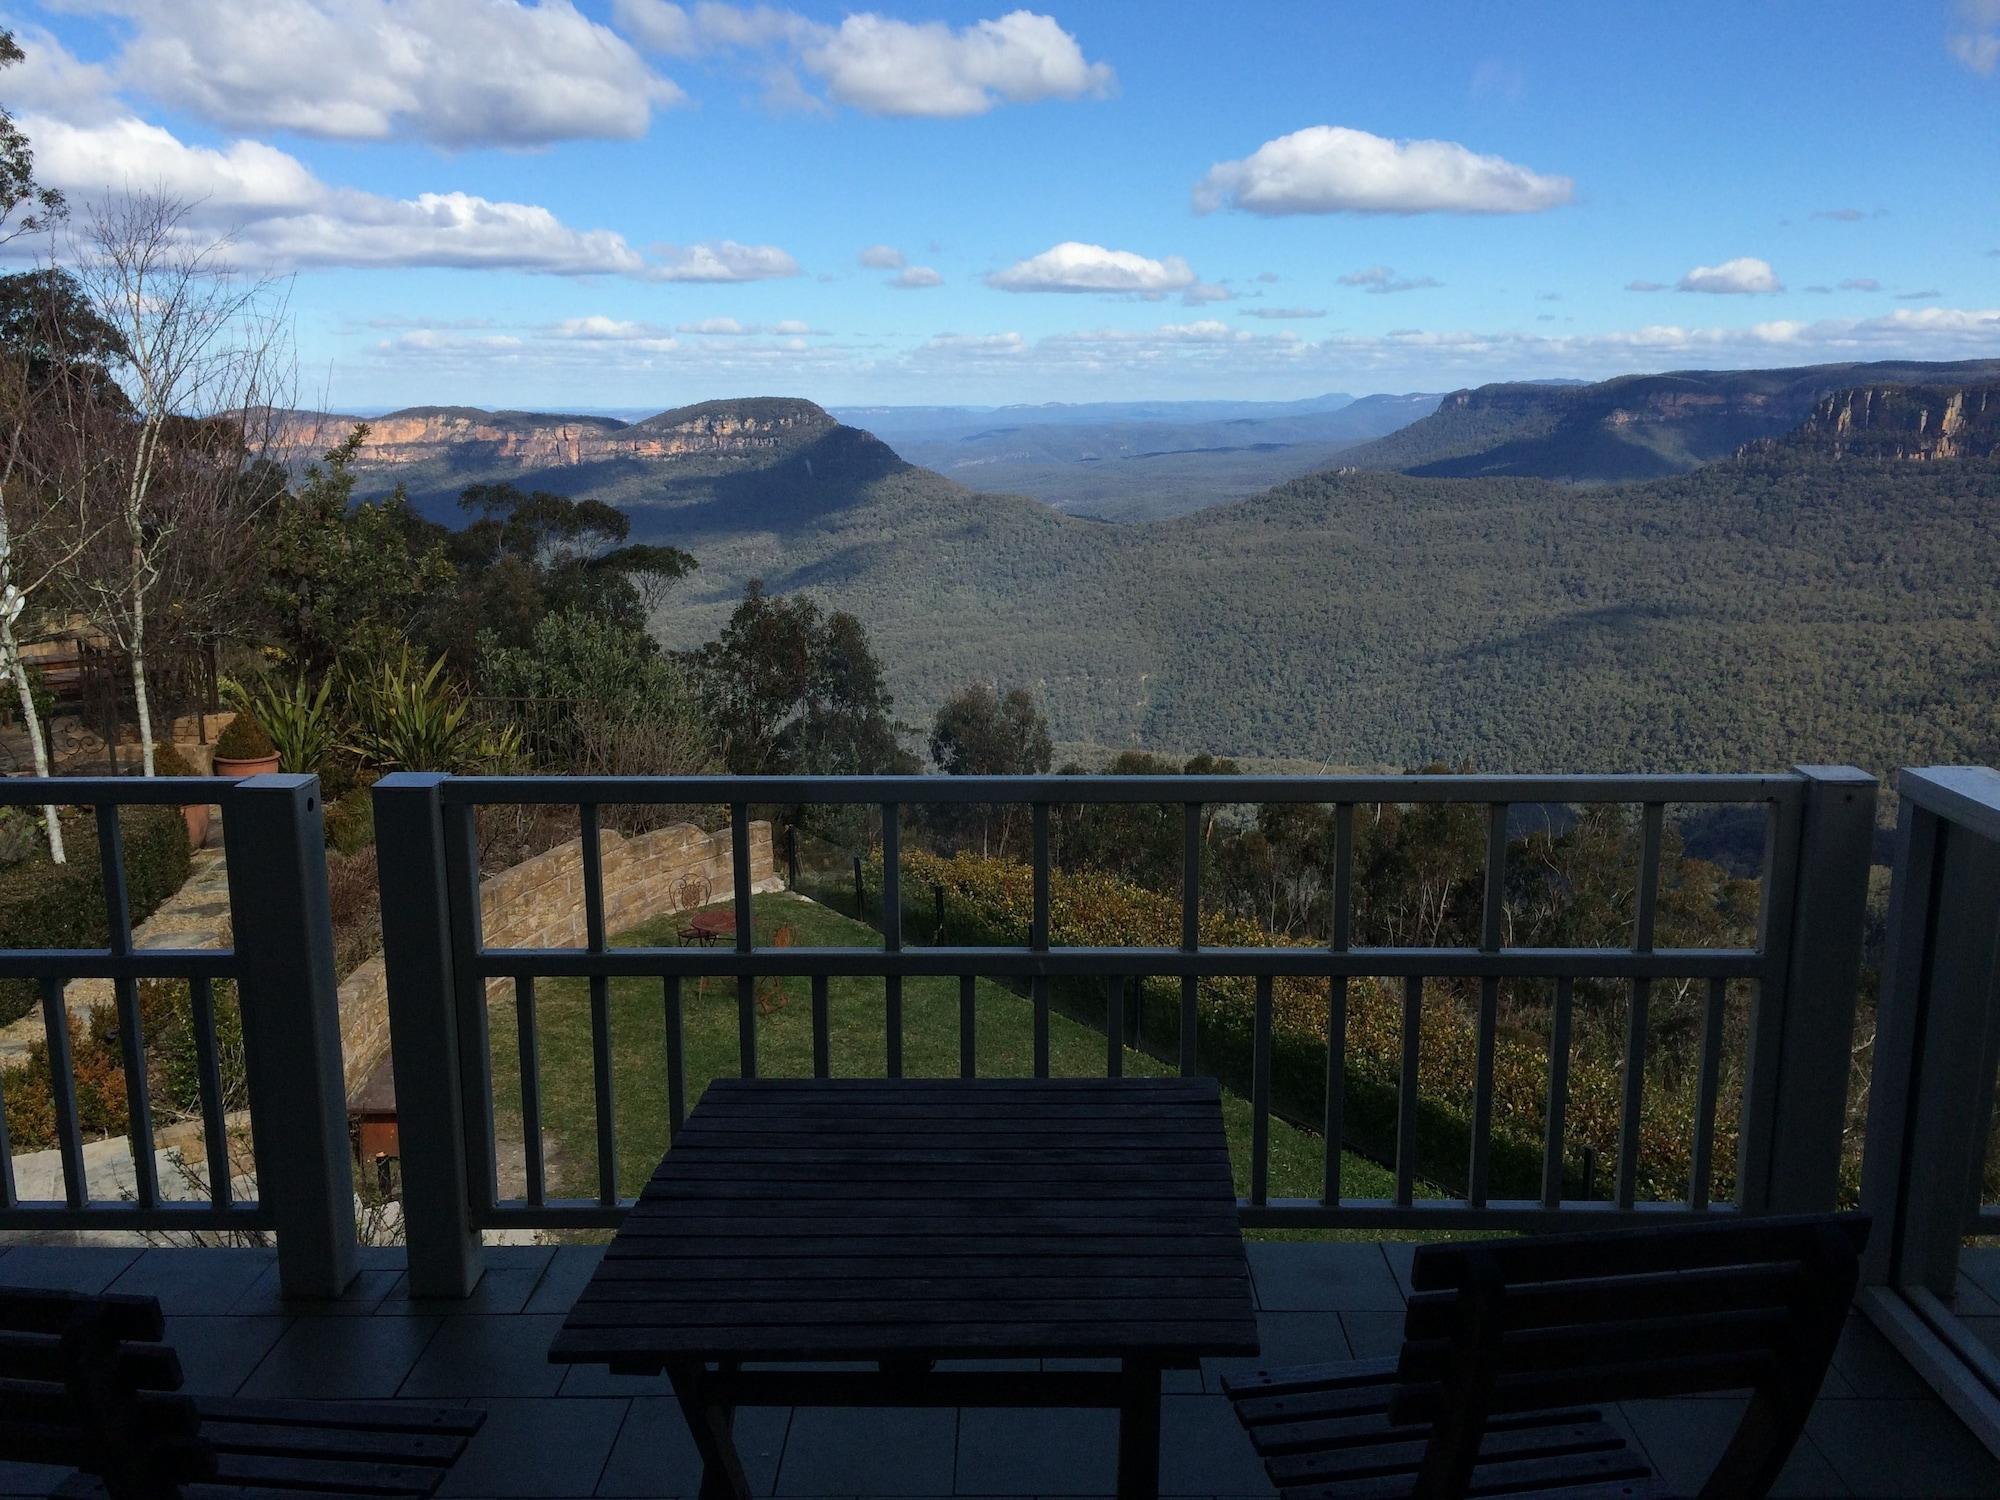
x: 1749, y: 614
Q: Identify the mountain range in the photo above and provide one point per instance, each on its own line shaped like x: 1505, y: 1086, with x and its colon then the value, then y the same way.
x: 1821, y: 590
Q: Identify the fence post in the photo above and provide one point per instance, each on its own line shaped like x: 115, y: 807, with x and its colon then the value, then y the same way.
x: 444, y: 1246
x: 1789, y: 1154
x: 276, y: 860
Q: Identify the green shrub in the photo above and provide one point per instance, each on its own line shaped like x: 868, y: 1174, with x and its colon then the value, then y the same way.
x: 409, y: 717
x: 244, y: 739
x: 97, y: 1064
x: 350, y: 821
x: 44, y: 905
x: 168, y: 761
x: 301, y: 724
x: 991, y: 901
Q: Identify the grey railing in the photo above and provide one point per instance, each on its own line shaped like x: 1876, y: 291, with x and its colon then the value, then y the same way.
x: 281, y: 962
x: 1937, y: 1046
x: 1818, y: 822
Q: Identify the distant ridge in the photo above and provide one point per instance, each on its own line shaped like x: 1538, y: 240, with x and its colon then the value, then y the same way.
x: 1634, y: 426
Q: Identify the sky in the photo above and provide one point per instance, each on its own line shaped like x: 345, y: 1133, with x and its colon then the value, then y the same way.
x: 635, y: 204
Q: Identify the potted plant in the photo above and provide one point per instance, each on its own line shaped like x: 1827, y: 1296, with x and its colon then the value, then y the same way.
x: 244, y: 749
x: 168, y: 761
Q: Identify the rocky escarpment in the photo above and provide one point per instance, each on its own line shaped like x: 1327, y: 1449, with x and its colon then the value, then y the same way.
x: 1914, y: 423
x: 1635, y: 426
x: 533, y: 440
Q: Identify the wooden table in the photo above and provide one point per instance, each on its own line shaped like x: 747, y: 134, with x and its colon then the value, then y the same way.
x: 903, y: 1222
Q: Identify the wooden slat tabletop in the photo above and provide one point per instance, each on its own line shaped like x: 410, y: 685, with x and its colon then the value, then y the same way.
x: 854, y: 1219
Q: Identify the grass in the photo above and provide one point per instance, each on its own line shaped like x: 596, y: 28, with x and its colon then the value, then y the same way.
x: 1004, y: 1042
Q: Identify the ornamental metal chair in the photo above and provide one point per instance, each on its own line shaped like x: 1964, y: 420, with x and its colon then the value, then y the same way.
x: 1511, y: 1346
x: 772, y: 996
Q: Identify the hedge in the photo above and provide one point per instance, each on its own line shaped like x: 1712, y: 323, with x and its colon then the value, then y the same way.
x: 990, y: 901
x: 44, y: 905
x: 173, y: 1082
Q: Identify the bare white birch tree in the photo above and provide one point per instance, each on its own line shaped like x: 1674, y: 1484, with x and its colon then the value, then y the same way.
x: 205, y: 357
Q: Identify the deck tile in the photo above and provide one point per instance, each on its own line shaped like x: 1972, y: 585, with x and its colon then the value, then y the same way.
x: 655, y: 1456
x: 550, y: 1449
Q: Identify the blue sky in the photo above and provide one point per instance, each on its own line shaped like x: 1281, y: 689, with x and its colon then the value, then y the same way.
x: 635, y: 204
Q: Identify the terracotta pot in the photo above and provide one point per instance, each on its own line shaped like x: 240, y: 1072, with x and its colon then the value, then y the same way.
x: 195, y: 814
x: 261, y: 765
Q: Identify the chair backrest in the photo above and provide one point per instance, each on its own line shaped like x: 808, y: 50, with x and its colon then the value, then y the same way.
x: 689, y: 892
x: 1504, y: 1326
x: 86, y: 1382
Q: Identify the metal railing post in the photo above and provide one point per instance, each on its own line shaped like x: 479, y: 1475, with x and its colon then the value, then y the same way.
x: 283, y: 934
x: 1791, y: 1137
x: 443, y: 1242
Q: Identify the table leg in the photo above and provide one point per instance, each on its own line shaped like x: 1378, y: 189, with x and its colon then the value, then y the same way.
x: 710, y: 1425
x: 1139, y: 1431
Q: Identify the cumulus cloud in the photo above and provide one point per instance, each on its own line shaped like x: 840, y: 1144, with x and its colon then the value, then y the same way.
x: 456, y: 73
x: 1282, y: 314
x: 715, y: 325
x: 1382, y: 280
x: 1975, y: 35
x: 881, y: 65
x: 1076, y: 267
x: 916, y: 278
x: 1327, y: 169
x: 1924, y: 296
x: 1204, y: 292
x: 278, y: 212
x: 882, y: 258
x: 1645, y: 286
x: 1744, y: 275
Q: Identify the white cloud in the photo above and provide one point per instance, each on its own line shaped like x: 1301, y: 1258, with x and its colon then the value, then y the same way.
x: 715, y: 325
x: 1327, y: 169
x: 1861, y: 284
x: 791, y: 326
x: 1268, y: 277
x: 598, y: 329
x: 890, y: 67
x: 1645, y: 286
x: 1076, y: 267
x: 1282, y: 314
x: 974, y: 343
x: 1975, y: 38
x: 1743, y: 276
x: 1931, y: 294
x: 916, y: 278
x: 1204, y: 292
x: 882, y: 258
x: 276, y: 212
x: 722, y: 260
x: 881, y: 65
x: 453, y: 72
x: 1381, y: 280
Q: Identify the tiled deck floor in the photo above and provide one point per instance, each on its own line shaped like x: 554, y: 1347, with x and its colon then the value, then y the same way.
x: 1878, y: 1431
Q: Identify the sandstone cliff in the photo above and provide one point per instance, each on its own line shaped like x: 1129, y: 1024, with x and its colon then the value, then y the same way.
x: 533, y: 440
x: 1916, y: 423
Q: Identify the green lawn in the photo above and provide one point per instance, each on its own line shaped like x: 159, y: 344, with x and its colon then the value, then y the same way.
x: 1005, y: 1042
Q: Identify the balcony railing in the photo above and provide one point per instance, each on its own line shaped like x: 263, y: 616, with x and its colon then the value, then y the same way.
x: 1801, y: 973
x: 281, y: 963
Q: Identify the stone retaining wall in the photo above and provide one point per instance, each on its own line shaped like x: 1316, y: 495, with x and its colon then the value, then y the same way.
x: 539, y: 904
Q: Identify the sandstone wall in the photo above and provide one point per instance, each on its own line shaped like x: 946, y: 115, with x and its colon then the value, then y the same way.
x: 539, y: 904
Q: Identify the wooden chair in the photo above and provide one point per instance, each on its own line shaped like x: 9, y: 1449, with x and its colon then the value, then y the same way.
x: 772, y: 996
x: 86, y: 1383
x: 1510, y: 1346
